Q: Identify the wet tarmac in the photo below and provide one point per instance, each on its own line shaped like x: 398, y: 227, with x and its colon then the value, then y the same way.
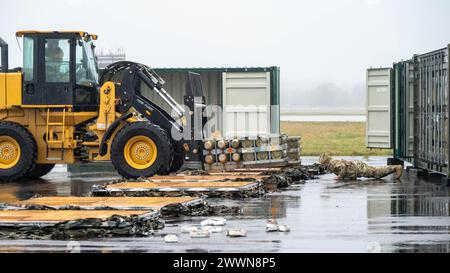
x: 324, y: 216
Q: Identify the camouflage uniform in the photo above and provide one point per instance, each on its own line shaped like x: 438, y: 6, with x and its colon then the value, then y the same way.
x: 351, y: 170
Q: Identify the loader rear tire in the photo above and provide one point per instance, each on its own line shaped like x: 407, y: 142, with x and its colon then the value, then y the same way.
x: 18, y: 152
x: 39, y: 170
x: 140, y: 149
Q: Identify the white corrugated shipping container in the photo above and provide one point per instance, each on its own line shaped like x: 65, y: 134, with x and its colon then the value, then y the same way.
x: 246, y: 103
x: 378, y: 124
x: 249, y: 97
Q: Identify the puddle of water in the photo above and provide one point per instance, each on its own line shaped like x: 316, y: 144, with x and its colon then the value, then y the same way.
x: 324, y: 216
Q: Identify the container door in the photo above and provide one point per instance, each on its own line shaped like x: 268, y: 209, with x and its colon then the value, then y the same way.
x: 246, y: 103
x: 410, y: 109
x: 404, y: 110
x: 378, y: 126
x: 431, y: 112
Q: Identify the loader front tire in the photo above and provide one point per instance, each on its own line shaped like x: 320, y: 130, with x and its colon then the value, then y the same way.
x: 140, y: 149
x: 18, y: 152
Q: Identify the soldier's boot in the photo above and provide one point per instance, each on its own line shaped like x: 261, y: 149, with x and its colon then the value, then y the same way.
x: 398, y: 171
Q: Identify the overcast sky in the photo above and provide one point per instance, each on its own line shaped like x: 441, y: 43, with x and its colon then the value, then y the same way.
x: 323, y: 47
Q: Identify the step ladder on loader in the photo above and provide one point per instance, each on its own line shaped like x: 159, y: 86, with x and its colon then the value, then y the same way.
x: 52, y: 142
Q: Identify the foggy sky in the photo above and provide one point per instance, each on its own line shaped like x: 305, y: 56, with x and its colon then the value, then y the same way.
x: 322, y: 47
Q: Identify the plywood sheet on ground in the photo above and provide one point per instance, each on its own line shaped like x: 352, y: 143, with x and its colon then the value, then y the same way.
x: 56, y: 216
x: 123, y: 203
x: 202, y: 178
x: 256, y: 170
x: 241, y: 174
x: 182, y: 185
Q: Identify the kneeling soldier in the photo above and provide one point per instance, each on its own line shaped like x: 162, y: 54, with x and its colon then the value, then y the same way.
x: 351, y: 170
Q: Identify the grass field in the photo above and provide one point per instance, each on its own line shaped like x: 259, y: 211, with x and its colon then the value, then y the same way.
x: 335, y: 138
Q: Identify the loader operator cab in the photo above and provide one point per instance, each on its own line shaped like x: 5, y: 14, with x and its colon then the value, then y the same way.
x: 60, y: 68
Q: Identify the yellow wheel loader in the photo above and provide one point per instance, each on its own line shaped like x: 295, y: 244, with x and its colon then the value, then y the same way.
x: 57, y: 110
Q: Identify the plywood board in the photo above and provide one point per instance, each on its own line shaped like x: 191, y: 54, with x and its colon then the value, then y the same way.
x: 56, y: 216
x: 123, y: 203
x: 203, y: 178
x: 181, y: 185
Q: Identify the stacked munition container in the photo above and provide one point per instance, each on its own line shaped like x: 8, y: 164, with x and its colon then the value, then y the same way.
x: 418, y: 106
x: 222, y: 154
x: 228, y: 154
x: 293, y: 150
x: 264, y: 150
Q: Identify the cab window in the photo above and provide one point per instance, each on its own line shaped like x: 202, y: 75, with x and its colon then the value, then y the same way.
x: 28, y: 58
x: 57, y: 60
x: 86, y: 67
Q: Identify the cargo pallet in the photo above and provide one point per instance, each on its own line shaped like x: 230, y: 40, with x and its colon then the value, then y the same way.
x: 181, y: 186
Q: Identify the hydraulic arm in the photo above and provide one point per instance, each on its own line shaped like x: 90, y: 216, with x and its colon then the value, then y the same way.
x: 130, y: 75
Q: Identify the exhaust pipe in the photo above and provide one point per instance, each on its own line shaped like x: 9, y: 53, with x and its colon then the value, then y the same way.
x: 4, y: 55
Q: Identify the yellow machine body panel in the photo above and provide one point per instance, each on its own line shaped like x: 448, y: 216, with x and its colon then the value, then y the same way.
x: 2, y: 90
x: 53, y: 126
x: 35, y: 120
x: 10, y: 90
